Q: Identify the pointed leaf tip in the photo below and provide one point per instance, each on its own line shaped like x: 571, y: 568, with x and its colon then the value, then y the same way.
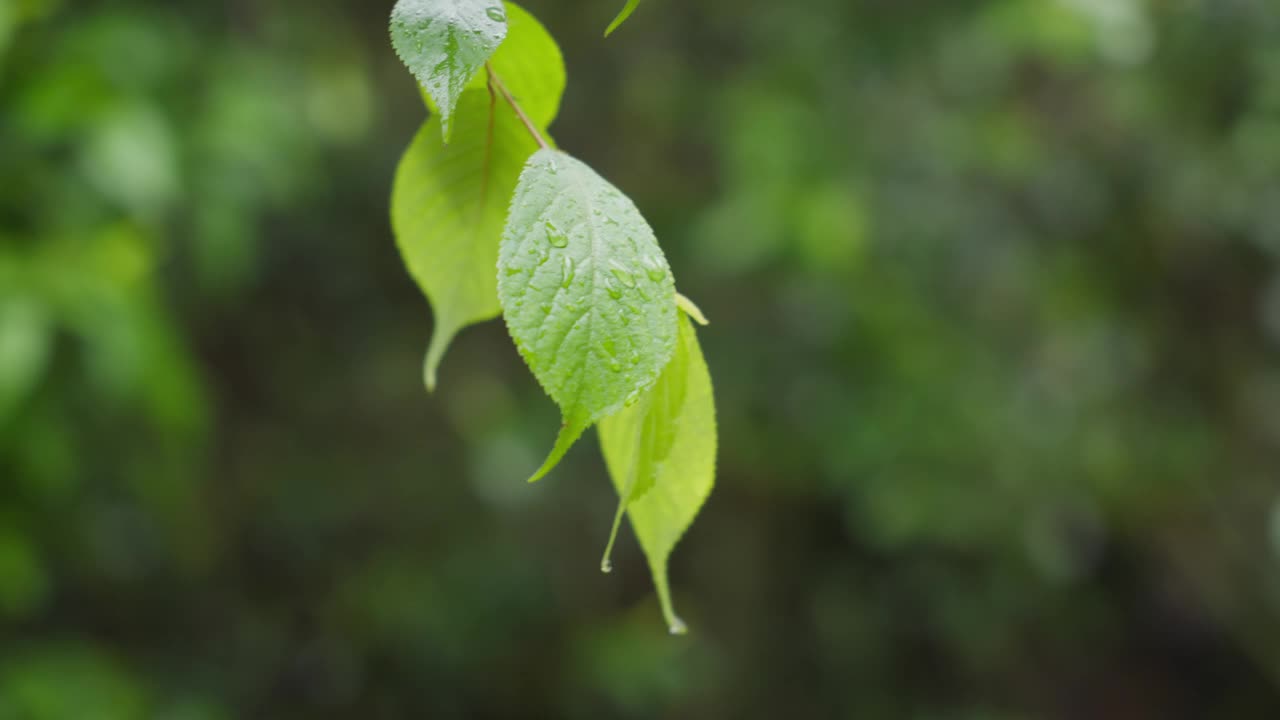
x: 627, y: 9
x: 570, y: 431
x: 452, y: 255
x: 691, y: 310
x: 440, y: 339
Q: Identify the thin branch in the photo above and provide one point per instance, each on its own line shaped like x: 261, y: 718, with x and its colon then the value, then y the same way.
x: 488, y: 150
x: 495, y: 81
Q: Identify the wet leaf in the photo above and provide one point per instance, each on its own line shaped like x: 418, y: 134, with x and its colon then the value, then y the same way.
x: 586, y: 293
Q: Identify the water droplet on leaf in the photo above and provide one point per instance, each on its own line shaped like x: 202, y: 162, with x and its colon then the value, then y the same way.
x: 611, y: 287
x: 654, y: 269
x: 495, y: 14
x: 567, y: 277
x: 554, y: 236
x: 623, y: 276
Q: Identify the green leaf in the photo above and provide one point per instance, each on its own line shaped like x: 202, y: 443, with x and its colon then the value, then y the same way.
x: 444, y: 43
x: 448, y: 205
x: 451, y: 257
x: 586, y: 293
x: 661, y: 455
x: 530, y: 65
x: 627, y: 9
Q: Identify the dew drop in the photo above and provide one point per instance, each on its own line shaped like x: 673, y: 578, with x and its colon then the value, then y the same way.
x: 612, y: 288
x: 567, y: 277
x: 677, y: 627
x: 606, y: 565
x: 623, y: 276
x: 554, y: 236
x: 654, y: 270
x: 495, y: 14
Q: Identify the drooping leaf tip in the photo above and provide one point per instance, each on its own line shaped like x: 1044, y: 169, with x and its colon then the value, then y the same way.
x: 629, y: 8
x: 429, y: 373
x: 677, y: 627
x: 441, y: 336
x: 570, y: 431
x: 446, y: 126
x: 606, y: 563
x: 691, y: 310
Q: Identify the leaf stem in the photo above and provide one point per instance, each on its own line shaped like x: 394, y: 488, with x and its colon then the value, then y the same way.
x: 496, y: 81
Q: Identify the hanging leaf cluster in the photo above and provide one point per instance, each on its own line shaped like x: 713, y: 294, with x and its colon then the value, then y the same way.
x: 492, y: 219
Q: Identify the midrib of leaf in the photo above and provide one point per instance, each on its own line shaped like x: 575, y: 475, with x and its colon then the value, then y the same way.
x: 574, y: 426
x: 576, y: 181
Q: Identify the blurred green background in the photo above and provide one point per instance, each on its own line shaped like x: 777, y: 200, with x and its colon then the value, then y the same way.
x: 995, y: 301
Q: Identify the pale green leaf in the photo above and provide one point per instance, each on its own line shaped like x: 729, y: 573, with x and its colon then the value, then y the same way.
x: 448, y: 205
x: 661, y: 455
x: 627, y: 9
x: 586, y: 293
x: 451, y: 257
x: 444, y: 43
x: 692, y: 310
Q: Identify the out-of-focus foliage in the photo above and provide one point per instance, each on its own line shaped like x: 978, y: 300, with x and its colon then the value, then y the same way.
x: 996, y: 293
